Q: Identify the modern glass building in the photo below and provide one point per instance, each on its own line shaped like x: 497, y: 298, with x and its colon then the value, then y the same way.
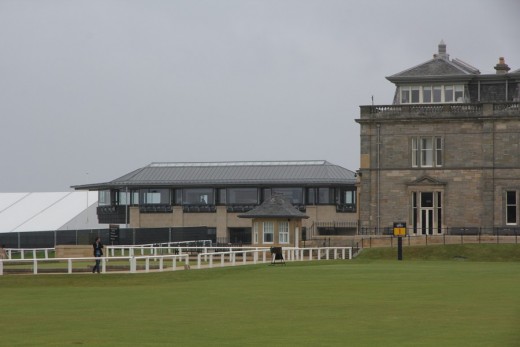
x: 213, y: 194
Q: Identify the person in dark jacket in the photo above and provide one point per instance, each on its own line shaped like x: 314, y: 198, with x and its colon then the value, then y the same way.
x: 98, y: 252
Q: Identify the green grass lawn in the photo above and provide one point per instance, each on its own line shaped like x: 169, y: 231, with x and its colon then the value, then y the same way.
x: 370, y: 301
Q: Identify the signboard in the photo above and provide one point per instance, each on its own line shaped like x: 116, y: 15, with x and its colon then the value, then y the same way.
x: 114, y: 232
x: 399, y: 229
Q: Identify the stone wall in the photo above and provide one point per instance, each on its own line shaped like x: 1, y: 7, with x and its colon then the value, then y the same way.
x: 481, y: 160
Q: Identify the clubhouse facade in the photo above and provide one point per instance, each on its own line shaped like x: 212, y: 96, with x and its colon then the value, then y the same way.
x: 444, y: 157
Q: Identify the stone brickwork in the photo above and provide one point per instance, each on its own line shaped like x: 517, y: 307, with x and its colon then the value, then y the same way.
x: 480, y: 161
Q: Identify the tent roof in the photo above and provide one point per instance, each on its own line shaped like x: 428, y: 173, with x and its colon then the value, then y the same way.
x: 21, y: 212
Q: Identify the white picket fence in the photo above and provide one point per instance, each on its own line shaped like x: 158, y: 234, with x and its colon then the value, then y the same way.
x: 131, y: 250
x: 207, y: 257
x: 79, y: 263
x: 28, y: 253
x: 263, y: 255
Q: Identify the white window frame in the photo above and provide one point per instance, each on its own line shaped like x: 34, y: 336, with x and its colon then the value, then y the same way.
x: 268, y: 229
x: 406, y: 94
x: 283, y: 232
x: 458, y: 89
x: 427, y: 151
x: 439, y: 150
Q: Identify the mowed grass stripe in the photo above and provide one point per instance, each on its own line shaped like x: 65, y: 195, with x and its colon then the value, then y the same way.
x: 364, y: 302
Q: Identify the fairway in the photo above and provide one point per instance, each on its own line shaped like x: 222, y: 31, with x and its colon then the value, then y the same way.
x: 326, y: 303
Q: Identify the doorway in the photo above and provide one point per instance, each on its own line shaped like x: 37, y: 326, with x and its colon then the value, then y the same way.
x: 427, y: 213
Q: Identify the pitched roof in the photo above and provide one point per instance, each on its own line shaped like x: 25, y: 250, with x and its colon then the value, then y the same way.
x: 275, y: 207
x: 440, y: 66
x: 437, y: 67
x: 318, y: 172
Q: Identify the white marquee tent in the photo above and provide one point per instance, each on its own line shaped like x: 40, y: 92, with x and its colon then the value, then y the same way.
x: 23, y: 212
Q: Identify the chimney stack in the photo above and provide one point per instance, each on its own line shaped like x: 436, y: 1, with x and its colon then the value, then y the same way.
x: 502, y: 67
x: 442, y: 52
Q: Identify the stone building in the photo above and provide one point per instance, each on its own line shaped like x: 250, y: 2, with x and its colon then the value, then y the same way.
x: 212, y: 195
x: 444, y: 157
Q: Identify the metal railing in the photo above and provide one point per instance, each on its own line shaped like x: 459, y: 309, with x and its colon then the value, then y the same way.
x: 455, y: 230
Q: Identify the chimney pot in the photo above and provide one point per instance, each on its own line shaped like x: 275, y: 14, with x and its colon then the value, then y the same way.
x: 502, y: 67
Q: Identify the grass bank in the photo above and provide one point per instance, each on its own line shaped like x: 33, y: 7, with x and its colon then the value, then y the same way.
x: 466, y: 252
x: 366, y: 302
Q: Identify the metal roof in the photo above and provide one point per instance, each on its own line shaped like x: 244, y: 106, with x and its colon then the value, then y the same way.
x: 316, y: 172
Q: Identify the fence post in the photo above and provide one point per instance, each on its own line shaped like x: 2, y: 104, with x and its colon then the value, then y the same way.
x: 35, y: 266
x: 69, y: 265
x: 134, y: 264
x: 1, y: 267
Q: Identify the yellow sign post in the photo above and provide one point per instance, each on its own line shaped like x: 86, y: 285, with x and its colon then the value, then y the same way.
x: 399, y: 231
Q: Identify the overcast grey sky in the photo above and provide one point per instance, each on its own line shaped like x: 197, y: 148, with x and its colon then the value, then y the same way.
x: 90, y: 90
